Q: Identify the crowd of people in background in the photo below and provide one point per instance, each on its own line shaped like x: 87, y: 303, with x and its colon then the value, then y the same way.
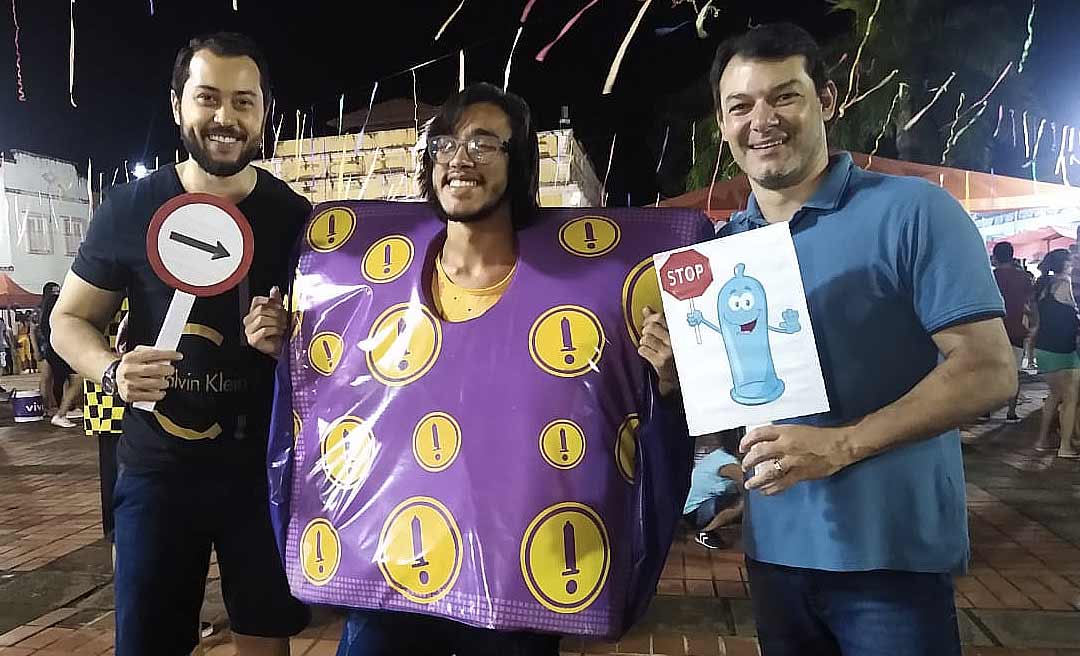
x: 1043, y: 328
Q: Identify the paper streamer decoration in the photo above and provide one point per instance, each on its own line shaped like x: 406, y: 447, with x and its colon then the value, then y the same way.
x: 1001, y: 115
x: 151, y: 7
x: 525, y: 12
x: 71, y: 59
x: 566, y: 28
x: 693, y: 144
x: 941, y: 90
x: 1027, y: 137
x: 609, y: 83
x: 510, y: 59
x: 610, y: 158
x: 858, y: 56
x: 18, y: 55
x: 885, y: 125
x: 699, y: 22
x: 449, y: 20
x: 663, y: 148
x: 90, y: 184
x: 1061, y: 167
x: 879, y: 85
x: 461, y: 69
x: 1030, y: 38
x: 952, y: 130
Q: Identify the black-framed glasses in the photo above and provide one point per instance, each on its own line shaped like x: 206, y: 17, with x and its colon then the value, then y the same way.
x: 481, y: 148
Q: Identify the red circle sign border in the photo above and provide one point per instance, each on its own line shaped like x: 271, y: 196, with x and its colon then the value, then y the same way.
x: 154, y: 232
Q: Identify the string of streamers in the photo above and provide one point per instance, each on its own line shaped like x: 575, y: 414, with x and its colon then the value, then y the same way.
x: 566, y: 28
x: 1061, y: 168
x: 340, y: 114
x: 858, y: 56
x: 952, y: 129
x: 90, y: 184
x: 1027, y: 138
x: 614, y: 71
x: 1072, y: 137
x: 888, y: 121
x: 693, y: 144
x: 18, y: 56
x: 151, y: 7
x: 699, y: 22
x: 1012, y: 120
x: 510, y: 59
x: 986, y: 96
x: 340, y: 126
x: 234, y: 7
x: 449, y: 20
x: 877, y: 86
x: 970, y: 123
x: 1001, y: 115
x: 843, y: 58
x: 610, y: 158
x: 941, y: 90
x: 277, y: 135
x: 415, y: 107
x: 1038, y: 140
x: 71, y: 60
x: 663, y: 148
x: 461, y: 69
x: 1030, y: 38
x: 269, y: 127
x: 363, y: 126
x: 525, y: 12
x: 1053, y: 132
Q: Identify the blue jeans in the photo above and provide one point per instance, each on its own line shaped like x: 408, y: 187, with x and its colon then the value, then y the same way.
x: 166, y: 525
x: 389, y: 633
x: 878, y: 613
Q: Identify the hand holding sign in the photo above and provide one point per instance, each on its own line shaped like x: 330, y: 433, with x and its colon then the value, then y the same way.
x: 200, y: 245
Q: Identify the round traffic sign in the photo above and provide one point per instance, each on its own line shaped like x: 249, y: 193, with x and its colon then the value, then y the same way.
x: 200, y: 244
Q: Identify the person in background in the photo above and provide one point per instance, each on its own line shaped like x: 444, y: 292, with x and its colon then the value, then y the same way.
x: 715, y: 498
x: 59, y: 379
x: 1016, y: 288
x: 26, y: 345
x: 7, y: 349
x: 1055, y: 349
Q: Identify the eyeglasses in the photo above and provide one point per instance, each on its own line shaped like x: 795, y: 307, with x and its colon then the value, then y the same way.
x: 480, y: 148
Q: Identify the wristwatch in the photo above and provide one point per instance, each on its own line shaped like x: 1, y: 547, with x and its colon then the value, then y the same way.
x: 108, y: 379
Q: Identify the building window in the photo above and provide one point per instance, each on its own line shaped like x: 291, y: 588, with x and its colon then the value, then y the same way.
x: 74, y: 230
x: 38, y: 234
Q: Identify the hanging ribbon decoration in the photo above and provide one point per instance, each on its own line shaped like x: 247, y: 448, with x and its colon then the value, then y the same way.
x: 877, y: 86
x: 952, y: 130
x: 693, y: 144
x: 609, y: 83
x: 1001, y: 115
x: 461, y: 69
x: 566, y: 28
x: 71, y: 59
x: 525, y: 12
x: 941, y: 90
x: 510, y: 59
x: 18, y: 56
x: 1030, y: 38
x: 888, y: 120
x: 611, y: 157
x: 858, y: 56
x: 699, y: 22
x: 151, y: 7
x: 663, y: 148
x: 449, y: 20
x: 90, y: 184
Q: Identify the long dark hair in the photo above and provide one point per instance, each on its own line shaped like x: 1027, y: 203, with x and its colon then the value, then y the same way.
x: 523, y: 173
x: 1051, y: 266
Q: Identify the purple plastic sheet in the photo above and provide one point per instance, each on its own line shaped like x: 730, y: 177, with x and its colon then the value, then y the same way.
x: 515, y: 471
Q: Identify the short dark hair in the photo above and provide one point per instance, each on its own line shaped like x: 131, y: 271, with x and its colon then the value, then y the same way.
x: 770, y: 41
x: 1003, y: 252
x: 222, y: 44
x: 523, y: 175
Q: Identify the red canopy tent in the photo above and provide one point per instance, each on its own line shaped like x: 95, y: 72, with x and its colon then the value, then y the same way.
x: 12, y: 295
x: 978, y: 192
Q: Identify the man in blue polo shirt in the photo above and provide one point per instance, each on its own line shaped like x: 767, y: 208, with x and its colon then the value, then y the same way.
x: 856, y: 518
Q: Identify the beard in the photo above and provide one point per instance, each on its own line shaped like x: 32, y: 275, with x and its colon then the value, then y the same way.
x: 214, y: 167
x: 483, y: 212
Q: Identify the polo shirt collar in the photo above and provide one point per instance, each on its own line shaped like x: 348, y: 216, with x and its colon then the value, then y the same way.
x: 827, y: 196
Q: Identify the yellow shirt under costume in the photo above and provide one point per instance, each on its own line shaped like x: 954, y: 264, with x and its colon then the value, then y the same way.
x: 456, y: 304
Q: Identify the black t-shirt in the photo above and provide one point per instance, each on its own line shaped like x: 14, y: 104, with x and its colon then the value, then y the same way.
x: 216, y: 411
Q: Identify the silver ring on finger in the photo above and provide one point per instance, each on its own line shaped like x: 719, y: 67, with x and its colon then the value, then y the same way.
x: 779, y: 466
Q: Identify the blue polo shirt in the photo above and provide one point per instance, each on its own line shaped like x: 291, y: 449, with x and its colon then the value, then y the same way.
x: 886, y: 262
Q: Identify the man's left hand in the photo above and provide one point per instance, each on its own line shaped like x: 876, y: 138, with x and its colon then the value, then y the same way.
x: 790, y: 454
x: 655, y: 346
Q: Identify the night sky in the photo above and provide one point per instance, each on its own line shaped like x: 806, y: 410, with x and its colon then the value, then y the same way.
x: 319, y: 49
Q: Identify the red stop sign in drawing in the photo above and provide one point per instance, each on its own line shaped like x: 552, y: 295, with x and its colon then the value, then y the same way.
x: 686, y: 274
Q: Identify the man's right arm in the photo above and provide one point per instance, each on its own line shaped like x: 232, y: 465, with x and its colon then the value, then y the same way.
x: 78, y: 323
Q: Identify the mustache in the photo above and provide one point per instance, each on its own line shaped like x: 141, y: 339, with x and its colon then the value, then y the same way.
x: 227, y: 132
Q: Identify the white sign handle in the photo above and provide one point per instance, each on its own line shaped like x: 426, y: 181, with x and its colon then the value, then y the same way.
x: 697, y: 328
x: 169, y: 337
